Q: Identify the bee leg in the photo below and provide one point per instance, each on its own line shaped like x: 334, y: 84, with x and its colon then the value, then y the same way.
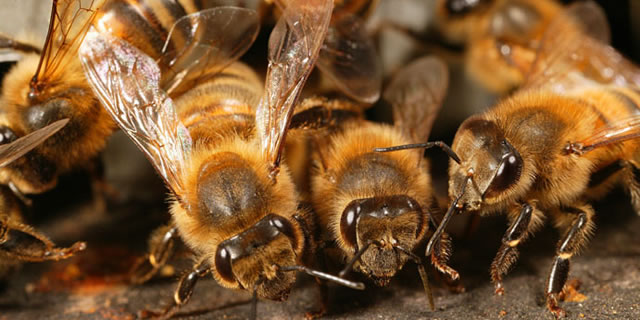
x: 161, y: 245
x: 324, y: 301
x: 314, y: 255
x: 183, y: 292
x: 322, y: 287
x: 441, y: 250
x: 508, y: 253
x: 25, y: 244
x: 576, y: 235
x: 440, y: 257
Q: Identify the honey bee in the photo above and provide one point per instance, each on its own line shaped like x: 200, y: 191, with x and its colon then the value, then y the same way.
x: 374, y: 205
x: 19, y: 242
x: 502, y: 36
x: 49, y: 84
x: 562, y: 140
x: 348, y: 57
x: 233, y: 200
x: 40, y: 89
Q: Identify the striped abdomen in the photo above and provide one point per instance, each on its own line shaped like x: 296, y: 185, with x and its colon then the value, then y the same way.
x: 223, y: 105
x: 613, y: 104
x: 144, y: 23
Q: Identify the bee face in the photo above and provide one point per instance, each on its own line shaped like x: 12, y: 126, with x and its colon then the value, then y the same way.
x: 252, y: 259
x: 493, y: 164
x: 386, y: 222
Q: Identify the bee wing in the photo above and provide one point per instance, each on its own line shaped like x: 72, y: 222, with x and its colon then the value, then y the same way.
x: 615, y: 132
x: 16, y: 149
x: 70, y: 19
x: 127, y: 82
x: 591, y: 19
x: 349, y: 58
x: 293, y: 49
x: 570, y: 59
x: 205, y: 42
x: 416, y: 93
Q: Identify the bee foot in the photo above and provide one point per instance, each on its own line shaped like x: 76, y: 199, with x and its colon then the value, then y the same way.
x: 552, y: 305
x: 64, y: 253
x: 310, y: 315
x: 499, y: 289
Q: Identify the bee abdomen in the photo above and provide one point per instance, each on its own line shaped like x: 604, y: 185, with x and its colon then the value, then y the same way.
x: 628, y: 98
x: 227, y: 99
x: 144, y: 23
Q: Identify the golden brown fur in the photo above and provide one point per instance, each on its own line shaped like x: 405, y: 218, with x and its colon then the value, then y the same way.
x: 484, y: 38
x: 64, y: 92
x: 546, y: 180
x: 539, y: 125
x: 346, y: 155
x: 74, y: 145
x: 219, y: 115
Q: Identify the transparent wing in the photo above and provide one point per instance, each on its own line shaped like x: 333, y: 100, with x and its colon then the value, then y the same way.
x: 569, y: 59
x: 615, y: 132
x: 16, y: 149
x: 293, y: 49
x: 349, y: 58
x: 127, y: 83
x: 205, y: 42
x: 591, y: 19
x: 70, y: 20
x: 416, y: 93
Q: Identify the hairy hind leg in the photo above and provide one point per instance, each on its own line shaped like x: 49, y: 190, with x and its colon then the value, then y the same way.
x: 23, y: 243
x: 578, y: 223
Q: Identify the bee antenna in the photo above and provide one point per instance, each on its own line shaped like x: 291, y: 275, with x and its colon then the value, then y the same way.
x: 326, y: 276
x: 423, y: 274
x: 443, y: 224
x: 424, y: 145
x: 356, y: 257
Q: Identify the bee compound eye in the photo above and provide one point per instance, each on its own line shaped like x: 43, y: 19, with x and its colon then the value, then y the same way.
x: 507, y: 174
x: 349, y: 222
x: 7, y: 135
x: 223, y: 264
x: 284, y: 226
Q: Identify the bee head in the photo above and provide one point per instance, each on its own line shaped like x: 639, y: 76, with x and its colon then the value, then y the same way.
x: 490, y: 165
x: 376, y: 227
x: 253, y: 259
